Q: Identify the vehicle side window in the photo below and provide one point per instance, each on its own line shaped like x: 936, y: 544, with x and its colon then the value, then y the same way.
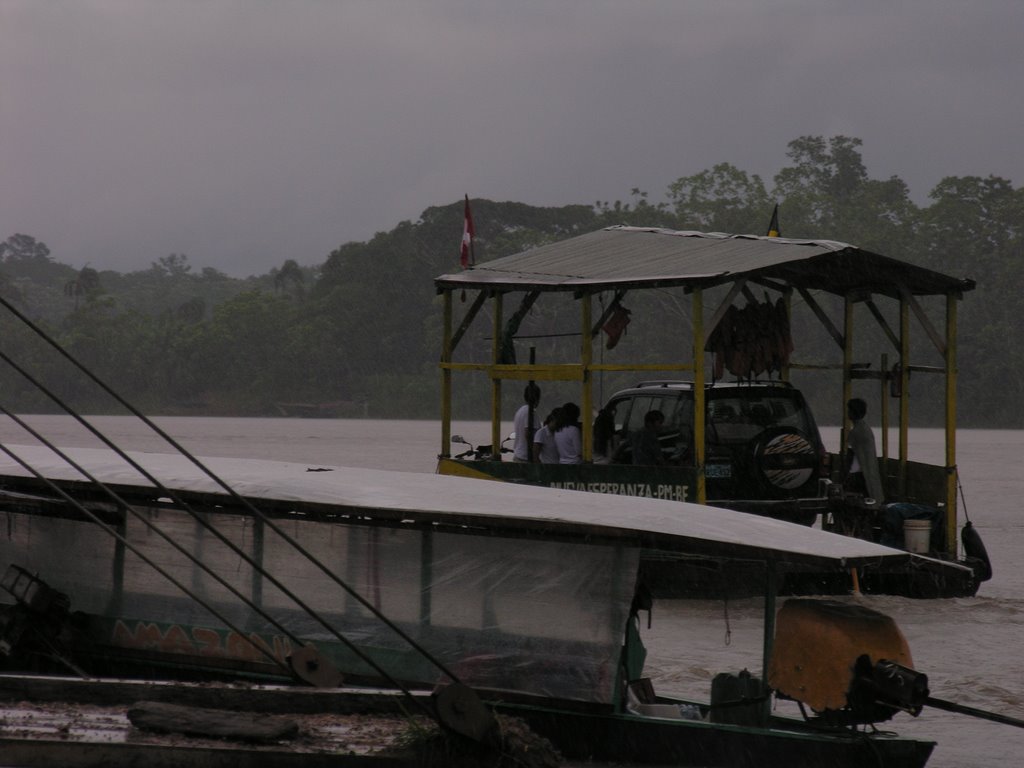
x: 677, y: 432
x: 634, y: 420
x: 620, y: 410
x: 669, y: 407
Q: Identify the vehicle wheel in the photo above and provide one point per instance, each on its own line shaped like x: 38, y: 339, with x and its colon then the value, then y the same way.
x: 785, y: 459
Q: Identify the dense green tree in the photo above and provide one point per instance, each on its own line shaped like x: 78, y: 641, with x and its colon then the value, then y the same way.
x: 8, y: 290
x: 641, y: 213
x: 826, y: 192
x: 974, y: 228
x: 172, y: 265
x: 289, y: 276
x: 170, y: 283
x: 973, y: 223
x: 191, y: 311
x: 25, y: 250
x: 722, y: 199
x: 34, y: 277
x: 821, y: 184
x: 86, y: 283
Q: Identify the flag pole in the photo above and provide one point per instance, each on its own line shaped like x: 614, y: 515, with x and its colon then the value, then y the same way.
x: 467, y: 253
x: 472, y: 235
x: 773, y: 225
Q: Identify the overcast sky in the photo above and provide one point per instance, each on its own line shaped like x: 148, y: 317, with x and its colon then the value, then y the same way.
x: 243, y: 133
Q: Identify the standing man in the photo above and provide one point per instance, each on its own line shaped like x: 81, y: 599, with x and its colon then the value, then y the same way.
x: 862, y: 475
x: 524, y: 423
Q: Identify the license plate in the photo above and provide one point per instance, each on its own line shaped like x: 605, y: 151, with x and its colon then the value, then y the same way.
x: 718, y: 470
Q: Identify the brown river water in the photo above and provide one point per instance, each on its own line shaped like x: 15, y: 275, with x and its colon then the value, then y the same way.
x: 972, y: 649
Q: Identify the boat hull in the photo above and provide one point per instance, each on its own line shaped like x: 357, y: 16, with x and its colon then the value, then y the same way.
x: 663, y: 741
x: 674, y: 577
x: 578, y: 734
x: 669, y: 482
x: 670, y: 577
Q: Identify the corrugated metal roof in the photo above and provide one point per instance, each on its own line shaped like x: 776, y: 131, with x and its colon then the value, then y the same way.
x: 637, y: 257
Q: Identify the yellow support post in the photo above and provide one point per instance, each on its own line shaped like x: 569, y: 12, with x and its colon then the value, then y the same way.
x: 699, y: 442
x: 495, y: 381
x: 586, y: 358
x: 883, y: 406
x: 904, y: 392
x: 847, y: 378
x: 951, y: 469
x: 446, y: 377
x: 787, y: 297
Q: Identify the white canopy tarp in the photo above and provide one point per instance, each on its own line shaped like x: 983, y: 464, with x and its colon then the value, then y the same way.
x: 675, y: 524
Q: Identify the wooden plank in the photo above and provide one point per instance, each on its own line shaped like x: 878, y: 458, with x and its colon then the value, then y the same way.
x: 926, y: 323
x: 883, y: 323
x: 826, y: 323
x: 467, y: 319
x: 261, y: 698
x: 74, y: 735
x: 257, y: 728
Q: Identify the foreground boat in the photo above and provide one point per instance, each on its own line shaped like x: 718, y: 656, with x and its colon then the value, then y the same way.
x: 860, y: 305
x: 529, y: 597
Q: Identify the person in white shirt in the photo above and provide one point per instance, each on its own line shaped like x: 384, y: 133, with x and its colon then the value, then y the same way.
x: 544, y: 449
x: 521, y: 423
x: 568, y: 437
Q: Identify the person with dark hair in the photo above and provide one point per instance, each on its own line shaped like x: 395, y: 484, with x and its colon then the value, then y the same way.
x: 646, y: 445
x: 544, y: 449
x: 568, y: 437
x: 524, y: 423
x: 604, y: 435
x: 861, y: 467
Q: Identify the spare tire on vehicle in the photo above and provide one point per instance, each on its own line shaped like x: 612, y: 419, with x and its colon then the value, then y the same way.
x: 785, y: 460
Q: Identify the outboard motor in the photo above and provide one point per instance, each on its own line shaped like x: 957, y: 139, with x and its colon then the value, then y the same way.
x: 883, y: 687
x: 849, y: 664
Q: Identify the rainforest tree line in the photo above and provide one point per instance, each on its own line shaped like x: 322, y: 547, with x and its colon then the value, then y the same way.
x: 362, y: 329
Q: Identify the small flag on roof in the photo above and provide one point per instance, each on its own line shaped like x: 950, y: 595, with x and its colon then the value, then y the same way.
x: 466, y: 256
x: 773, y: 227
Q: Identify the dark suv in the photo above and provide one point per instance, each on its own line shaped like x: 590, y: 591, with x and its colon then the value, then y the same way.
x: 761, y: 441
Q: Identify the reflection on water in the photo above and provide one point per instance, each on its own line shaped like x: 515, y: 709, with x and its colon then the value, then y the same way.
x: 970, y: 648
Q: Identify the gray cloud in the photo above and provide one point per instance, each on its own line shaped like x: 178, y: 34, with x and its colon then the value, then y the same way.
x: 244, y: 133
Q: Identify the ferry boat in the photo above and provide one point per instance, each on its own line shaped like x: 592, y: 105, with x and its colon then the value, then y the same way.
x: 737, y: 432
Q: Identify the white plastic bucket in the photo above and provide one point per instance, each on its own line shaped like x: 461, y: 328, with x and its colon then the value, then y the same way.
x: 917, y: 535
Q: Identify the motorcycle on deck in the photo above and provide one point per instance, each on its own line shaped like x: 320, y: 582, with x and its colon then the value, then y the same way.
x: 482, y: 452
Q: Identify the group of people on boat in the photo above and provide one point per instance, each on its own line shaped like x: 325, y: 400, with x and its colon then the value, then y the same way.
x: 559, y: 438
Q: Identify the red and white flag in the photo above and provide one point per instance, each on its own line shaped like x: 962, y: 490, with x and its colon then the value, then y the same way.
x: 466, y: 256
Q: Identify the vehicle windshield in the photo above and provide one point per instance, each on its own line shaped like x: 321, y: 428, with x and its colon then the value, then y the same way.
x: 675, y: 410
x: 741, y: 419
x: 732, y: 417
